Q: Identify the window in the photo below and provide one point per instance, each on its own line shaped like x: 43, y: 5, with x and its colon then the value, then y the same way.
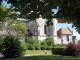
x: 38, y: 32
x: 67, y: 37
x: 45, y: 27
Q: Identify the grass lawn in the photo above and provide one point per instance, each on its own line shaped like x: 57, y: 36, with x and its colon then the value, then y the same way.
x: 45, y: 57
x: 40, y: 55
x: 38, y: 52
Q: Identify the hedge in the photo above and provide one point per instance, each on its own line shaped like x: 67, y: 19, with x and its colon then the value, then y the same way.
x: 59, y: 51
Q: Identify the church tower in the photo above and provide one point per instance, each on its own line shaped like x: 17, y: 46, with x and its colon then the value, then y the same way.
x: 54, y: 35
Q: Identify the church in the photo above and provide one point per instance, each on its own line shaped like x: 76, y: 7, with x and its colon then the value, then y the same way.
x: 39, y: 30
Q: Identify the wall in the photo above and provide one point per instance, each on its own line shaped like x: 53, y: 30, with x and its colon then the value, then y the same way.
x: 41, y: 23
x: 3, y: 32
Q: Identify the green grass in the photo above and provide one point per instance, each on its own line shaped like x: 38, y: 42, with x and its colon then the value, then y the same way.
x: 45, y: 57
x: 38, y: 52
x: 40, y: 55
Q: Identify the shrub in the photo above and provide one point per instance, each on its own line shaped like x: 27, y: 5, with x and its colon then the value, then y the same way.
x: 37, y: 46
x: 31, y: 47
x: 70, y: 49
x: 43, y: 45
x: 48, y: 48
x: 33, y: 44
x: 12, y: 47
x: 77, y: 53
x: 59, y: 51
x: 59, y: 46
x: 1, y: 43
x: 49, y: 42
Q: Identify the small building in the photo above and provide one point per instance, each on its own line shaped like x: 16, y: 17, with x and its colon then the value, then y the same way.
x: 65, y: 35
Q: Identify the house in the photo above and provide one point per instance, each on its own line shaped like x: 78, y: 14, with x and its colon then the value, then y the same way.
x: 65, y: 35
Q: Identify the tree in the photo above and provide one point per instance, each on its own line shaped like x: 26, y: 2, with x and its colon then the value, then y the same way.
x: 4, y: 13
x: 8, y: 22
x: 68, y: 10
x: 16, y: 28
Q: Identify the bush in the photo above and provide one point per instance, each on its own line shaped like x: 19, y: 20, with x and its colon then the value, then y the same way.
x: 37, y: 46
x: 59, y: 46
x: 77, y: 53
x: 43, y: 47
x: 70, y: 49
x: 49, y: 42
x: 12, y: 47
x: 48, y: 48
x: 59, y: 51
x: 31, y: 47
x: 1, y: 43
x: 33, y: 44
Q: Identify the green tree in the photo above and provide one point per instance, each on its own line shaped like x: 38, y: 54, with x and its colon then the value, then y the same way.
x: 68, y: 10
x: 16, y: 28
x: 8, y: 22
x: 4, y: 13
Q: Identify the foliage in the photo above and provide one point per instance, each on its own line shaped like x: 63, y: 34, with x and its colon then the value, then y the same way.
x: 30, y: 47
x: 48, y: 48
x: 59, y: 46
x: 12, y: 47
x: 68, y: 10
x: 59, y: 51
x: 77, y: 53
x: 16, y: 28
x: 4, y: 13
x: 43, y: 45
x: 33, y: 44
x: 1, y: 43
x: 70, y: 49
x: 37, y: 46
x: 8, y: 22
x: 49, y: 42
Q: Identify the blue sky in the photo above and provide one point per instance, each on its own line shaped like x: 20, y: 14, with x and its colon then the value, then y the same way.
x: 60, y: 25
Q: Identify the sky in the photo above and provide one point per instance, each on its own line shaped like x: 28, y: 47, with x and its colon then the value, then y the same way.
x: 60, y: 25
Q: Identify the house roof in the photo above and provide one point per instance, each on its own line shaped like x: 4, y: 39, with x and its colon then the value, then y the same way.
x: 65, y: 31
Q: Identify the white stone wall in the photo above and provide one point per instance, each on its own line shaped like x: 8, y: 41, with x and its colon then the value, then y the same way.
x: 41, y: 23
x: 57, y: 41
x: 41, y: 38
x: 3, y: 32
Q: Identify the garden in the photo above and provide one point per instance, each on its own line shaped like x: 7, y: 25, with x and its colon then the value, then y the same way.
x: 12, y: 48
